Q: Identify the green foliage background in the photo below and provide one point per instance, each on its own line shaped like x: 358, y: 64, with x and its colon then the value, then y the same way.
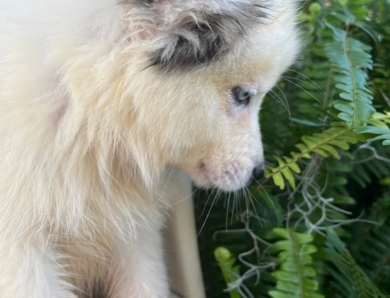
x: 318, y: 225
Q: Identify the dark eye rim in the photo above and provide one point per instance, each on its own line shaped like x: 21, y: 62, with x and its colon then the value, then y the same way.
x: 239, y: 100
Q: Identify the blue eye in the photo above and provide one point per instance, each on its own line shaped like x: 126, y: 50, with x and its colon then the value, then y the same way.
x: 242, y: 96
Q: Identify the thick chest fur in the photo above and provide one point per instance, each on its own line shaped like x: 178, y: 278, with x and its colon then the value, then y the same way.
x: 98, y: 99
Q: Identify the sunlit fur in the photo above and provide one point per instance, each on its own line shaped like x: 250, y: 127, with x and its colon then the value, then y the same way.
x: 91, y: 120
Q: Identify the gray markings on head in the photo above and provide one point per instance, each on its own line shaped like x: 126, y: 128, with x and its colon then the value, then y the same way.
x: 205, y: 36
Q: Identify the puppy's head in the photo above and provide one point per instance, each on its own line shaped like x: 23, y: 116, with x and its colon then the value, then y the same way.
x: 204, y: 70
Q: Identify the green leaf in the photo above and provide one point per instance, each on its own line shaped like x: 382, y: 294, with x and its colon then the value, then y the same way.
x: 230, y: 271
x: 320, y: 143
x: 278, y: 180
x: 353, y: 277
x: 349, y: 58
x: 295, y: 276
x: 289, y: 176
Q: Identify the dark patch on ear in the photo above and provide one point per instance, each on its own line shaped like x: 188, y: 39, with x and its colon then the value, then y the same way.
x: 98, y: 291
x: 197, y: 43
x: 146, y: 3
x: 185, y: 51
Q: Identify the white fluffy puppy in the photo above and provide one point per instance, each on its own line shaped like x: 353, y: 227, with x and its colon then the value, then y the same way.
x: 97, y: 99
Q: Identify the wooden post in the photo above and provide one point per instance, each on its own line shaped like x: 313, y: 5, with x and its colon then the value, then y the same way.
x: 181, y: 244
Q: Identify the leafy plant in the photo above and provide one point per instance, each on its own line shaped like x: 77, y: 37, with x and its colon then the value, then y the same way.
x: 326, y: 191
x: 295, y: 274
x: 230, y: 271
x: 353, y: 281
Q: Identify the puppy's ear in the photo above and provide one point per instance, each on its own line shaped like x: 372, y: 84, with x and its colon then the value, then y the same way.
x: 194, y: 33
x: 146, y: 2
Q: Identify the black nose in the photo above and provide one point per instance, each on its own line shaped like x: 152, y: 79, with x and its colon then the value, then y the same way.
x: 258, y: 172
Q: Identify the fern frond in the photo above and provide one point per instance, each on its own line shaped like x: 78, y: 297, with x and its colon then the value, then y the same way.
x: 324, y: 144
x: 295, y: 276
x: 229, y: 269
x: 349, y: 58
x: 316, y: 86
x: 352, y: 280
x: 335, y: 79
x: 376, y: 254
x: 359, y: 8
x: 379, y: 126
x: 370, y: 246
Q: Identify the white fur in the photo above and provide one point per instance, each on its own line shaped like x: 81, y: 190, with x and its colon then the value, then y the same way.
x: 88, y: 130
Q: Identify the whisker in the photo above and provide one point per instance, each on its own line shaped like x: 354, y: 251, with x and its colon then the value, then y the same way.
x: 253, y: 200
x: 311, y: 81
x: 233, y: 209
x: 285, y: 100
x: 278, y: 99
x: 303, y: 89
x: 314, y: 85
x: 208, y: 214
x: 247, y: 208
x: 190, y: 195
x: 227, y: 211
x: 208, y: 198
